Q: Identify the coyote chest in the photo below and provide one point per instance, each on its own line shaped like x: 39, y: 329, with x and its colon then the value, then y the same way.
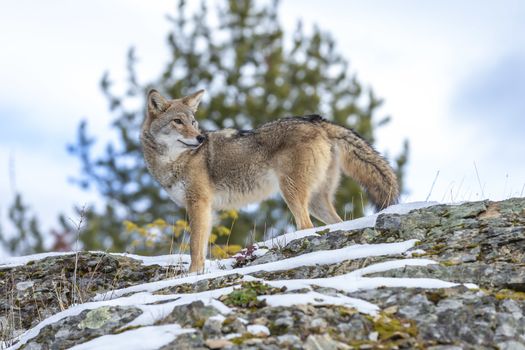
x: 177, y: 193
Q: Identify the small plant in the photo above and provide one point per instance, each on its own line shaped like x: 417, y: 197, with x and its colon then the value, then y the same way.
x: 323, y: 232
x: 154, y: 237
x: 245, y: 256
x: 246, y: 296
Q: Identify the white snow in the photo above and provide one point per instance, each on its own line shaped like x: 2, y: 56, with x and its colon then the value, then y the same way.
x: 367, y: 221
x: 258, y: 329
x: 315, y: 298
x: 315, y: 258
x: 155, y: 307
x: 13, y: 261
x: 144, y: 338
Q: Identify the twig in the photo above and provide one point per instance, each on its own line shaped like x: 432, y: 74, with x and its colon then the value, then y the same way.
x: 479, y: 181
x: 432, y: 187
x: 79, y: 226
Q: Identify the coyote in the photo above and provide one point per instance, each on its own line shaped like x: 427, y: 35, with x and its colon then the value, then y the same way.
x: 300, y: 157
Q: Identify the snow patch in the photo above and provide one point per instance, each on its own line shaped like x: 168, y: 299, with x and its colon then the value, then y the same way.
x: 323, y: 257
x: 315, y: 298
x: 145, y: 338
x: 257, y: 329
x: 360, y: 223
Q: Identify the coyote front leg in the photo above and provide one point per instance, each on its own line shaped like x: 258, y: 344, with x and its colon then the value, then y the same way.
x: 200, y: 215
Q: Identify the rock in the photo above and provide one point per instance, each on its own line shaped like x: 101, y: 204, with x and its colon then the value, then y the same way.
x: 289, y: 341
x: 323, y: 342
x: 511, y: 345
x: 190, y: 315
x: 212, y: 327
x: 477, y: 242
x: 186, y: 341
x: 73, y: 330
x: 258, y: 330
x: 318, y: 325
x: 45, y: 287
x: 217, y: 343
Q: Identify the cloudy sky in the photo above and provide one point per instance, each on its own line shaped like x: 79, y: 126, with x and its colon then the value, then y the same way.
x: 452, y: 75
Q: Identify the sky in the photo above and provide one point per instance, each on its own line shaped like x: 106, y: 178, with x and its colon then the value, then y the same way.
x: 452, y: 75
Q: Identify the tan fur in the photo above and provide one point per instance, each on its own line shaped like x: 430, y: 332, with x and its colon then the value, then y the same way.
x: 301, y: 158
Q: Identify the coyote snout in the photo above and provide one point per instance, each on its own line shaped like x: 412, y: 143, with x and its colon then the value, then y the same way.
x: 300, y: 157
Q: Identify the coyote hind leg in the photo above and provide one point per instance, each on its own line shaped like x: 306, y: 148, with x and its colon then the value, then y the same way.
x: 322, y: 209
x: 321, y: 205
x: 296, y: 197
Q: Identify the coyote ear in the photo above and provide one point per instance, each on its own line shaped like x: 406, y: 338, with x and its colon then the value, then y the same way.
x: 193, y: 100
x: 156, y: 102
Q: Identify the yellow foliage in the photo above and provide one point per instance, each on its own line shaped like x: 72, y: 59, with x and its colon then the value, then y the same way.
x: 229, y: 214
x: 222, y: 251
x: 222, y: 231
x: 155, y: 234
x: 129, y: 226
x: 233, y: 249
x: 160, y: 223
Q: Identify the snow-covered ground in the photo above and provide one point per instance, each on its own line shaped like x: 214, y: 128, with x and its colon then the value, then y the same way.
x: 156, y: 307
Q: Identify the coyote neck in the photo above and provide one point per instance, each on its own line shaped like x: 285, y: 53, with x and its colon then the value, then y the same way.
x: 165, y: 169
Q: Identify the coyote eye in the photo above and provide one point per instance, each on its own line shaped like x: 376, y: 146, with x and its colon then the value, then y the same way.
x: 177, y: 121
x: 193, y: 122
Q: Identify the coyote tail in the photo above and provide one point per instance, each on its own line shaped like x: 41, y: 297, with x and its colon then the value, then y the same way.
x: 364, y: 164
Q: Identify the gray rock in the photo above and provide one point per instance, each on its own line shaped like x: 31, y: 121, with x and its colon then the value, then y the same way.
x: 289, y: 341
x: 478, y: 242
x: 78, y: 329
x: 212, y: 328
x: 190, y: 315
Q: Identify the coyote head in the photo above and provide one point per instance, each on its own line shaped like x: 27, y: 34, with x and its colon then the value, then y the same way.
x: 172, y: 122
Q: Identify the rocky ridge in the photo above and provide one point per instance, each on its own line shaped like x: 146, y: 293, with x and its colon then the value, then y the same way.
x: 440, y: 277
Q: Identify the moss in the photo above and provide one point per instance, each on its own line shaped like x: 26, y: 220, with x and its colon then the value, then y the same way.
x: 247, y: 295
x: 509, y: 294
x: 241, y: 339
x: 391, y: 328
x: 435, y: 297
x: 323, y: 232
x: 228, y: 320
x: 448, y: 263
x: 276, y: 329
x: 436, y: 249
x: 199, y: 323
x: 345, y: 311
x: 242, y: 298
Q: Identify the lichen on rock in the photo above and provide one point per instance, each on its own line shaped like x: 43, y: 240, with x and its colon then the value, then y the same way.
x: 462, y: 286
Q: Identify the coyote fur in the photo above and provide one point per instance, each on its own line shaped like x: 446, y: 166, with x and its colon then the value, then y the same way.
x: 300, y: 157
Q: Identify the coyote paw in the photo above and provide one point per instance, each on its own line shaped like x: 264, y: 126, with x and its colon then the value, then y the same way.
x: 197, y: 267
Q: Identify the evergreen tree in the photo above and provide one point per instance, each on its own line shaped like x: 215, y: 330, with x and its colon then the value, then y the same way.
x: 253, y: 73
x: 28, y: 238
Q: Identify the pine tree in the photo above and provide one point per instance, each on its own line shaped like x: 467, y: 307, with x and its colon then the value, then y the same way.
x: 253, y: 73
x: 28, y: 237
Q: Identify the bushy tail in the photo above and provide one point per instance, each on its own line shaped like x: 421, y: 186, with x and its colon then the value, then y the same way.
x: 363, y: 163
